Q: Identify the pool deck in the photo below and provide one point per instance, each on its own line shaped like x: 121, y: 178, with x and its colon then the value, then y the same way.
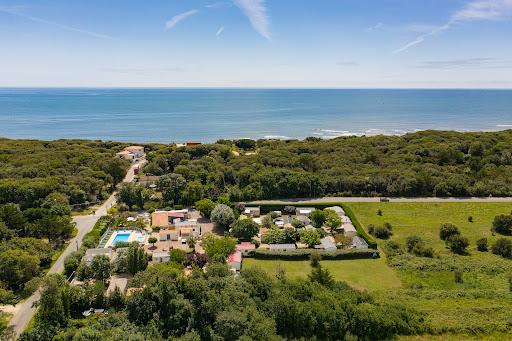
x: 132, y: 238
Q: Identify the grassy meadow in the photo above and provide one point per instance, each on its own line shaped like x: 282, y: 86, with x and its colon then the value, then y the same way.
x: 370, y: 274
x: 425, y: 219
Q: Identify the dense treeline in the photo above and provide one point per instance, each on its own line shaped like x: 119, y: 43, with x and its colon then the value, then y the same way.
x: 39, y: 183
x: 428, y: 163
x: 30, y: 170
x: 217, y: 306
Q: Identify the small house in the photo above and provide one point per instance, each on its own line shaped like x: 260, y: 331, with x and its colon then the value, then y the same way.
x: 119, y: 282
x: 328, y: 245
x: 245, y: 248
x: 349, y: 230
x: 345, y: 219
x: 161, y: 257
x: 138, y: 151
x: 166, y: 218
x: 305, y: 220
x: 234, y: 260
x: 304, y: 210
x: 336, y: 209
x: 252, y: 211
x: 125, y: 154
x: 148, y: 180
x: 282, y: 247
x: 168, y: 235
x: 89, y: 254
x: 358, y: 243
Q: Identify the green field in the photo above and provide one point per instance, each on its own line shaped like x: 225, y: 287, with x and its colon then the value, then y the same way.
x: 424, y: 219
x: 370, y: 274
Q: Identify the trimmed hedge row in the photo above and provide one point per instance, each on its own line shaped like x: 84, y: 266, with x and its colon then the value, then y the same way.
x: 99, y: 228
x: 372, y: 244
x: 305, y: 253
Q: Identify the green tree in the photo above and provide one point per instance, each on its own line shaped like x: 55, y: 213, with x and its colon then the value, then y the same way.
x: 245, y: 229
x: 205, y: 206
x: 13, y: 218
x: 54, y: 199
x: 177, y: 255
x: 318, y: 218
x: 322, y: 276
x: 222, y: 215
x: 332, y: 219
x: 17, y: 267
x: 136, y: 259
x: 191, y: 243
x: 266, y: 221
x: 172, y: 186
x: 100, y: 267
x: 152, y: 240
x: 310, y: 237
x: 55, y: 227
x: 53, y: 306
x: 448, y: 230
x: 220, y: 246
x: 314, y: 259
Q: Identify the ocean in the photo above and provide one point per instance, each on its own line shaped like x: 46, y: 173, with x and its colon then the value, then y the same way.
x: 206, y: 115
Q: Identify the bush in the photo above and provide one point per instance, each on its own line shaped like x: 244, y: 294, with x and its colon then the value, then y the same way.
x: 412, y: 241
x: 121, y: 244
x: 382, y: 232
x: 448, y: 230
x: 470, y: 219
x: 388, y: 226
x: 481, y: 244
x: 290, y: 210
x: 304, y: 254
x: 458, y: 244
x: 178, y: 207
x: 502, y: 247
x: 502, y: 224
x: 371, y: 228
x: 458, y: 276
x: 379, y: 212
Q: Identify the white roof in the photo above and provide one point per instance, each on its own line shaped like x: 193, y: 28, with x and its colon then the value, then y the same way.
x: 348, y: 227
x: 98, y: 251
x: 358, y: 241
x: 282, y: 246
x: 327, y: 243
x: 160, y: 254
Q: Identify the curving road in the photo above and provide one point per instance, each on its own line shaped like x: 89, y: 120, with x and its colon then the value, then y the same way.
x: 84, y: 224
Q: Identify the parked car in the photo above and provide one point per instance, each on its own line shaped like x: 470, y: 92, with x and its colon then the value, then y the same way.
x: 384, y: 199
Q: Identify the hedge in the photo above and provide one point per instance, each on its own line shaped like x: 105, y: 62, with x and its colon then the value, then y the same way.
x: 303, y: 254
x: 99, y: 228
x: 265, y: 208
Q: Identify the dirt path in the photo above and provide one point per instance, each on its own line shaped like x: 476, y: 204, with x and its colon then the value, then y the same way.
x: 363, y: 199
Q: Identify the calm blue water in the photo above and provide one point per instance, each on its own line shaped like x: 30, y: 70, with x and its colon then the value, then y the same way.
x: 121, y: 237
x: 205, y: 115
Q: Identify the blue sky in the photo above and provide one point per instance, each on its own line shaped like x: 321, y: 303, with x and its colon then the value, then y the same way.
x: 257, y: 43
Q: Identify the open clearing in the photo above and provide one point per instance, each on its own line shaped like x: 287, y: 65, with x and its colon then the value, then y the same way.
x: 371, y: 274
x: 424, y: 219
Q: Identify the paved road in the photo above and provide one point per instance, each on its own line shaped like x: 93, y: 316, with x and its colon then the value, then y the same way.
x: 360, y: 199
x: 84, y: 224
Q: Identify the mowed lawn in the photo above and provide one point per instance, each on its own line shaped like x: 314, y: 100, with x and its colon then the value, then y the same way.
x: 425, y: 219
x: 370, y: 274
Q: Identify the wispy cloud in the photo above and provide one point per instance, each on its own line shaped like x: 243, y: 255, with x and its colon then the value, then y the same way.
x: 16, y: 11
x: 142, y: 70
x: 219, y: 31
x: 177, y: 18
x: 256, y: 11
x: 347, y: 64
x: 480, y: 63
x: 473, y: 11
x: 376, y: 27
x: 217, y: 5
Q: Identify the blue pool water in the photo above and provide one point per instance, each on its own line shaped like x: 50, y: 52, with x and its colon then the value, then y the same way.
x: 140, y: 239
x: 121, y: 237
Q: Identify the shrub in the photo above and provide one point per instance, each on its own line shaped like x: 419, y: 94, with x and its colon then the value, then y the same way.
x: 416, y: 246
x: 502, y: 224
x: 371, y: 228
x: 315, y: 259
x: 297, y: 224
x: 222, y: 215
x: 240, y: 208
x: 470, y: 219
x: 481, y: 244
x: 388, y: 226
x: 379, y: 212
x: 448, y: 230
x: 155, y: 228
x: 120, y: 244
x: 458, y: 244
x: 458, y: 276
x: 382, y: 232
x: 290, y: 210
x: 178, y: 207
x: 502, y: 247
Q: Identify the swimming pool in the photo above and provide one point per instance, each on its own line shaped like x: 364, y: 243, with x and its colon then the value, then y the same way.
x: 121, y: 237
x: 140, y: 239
